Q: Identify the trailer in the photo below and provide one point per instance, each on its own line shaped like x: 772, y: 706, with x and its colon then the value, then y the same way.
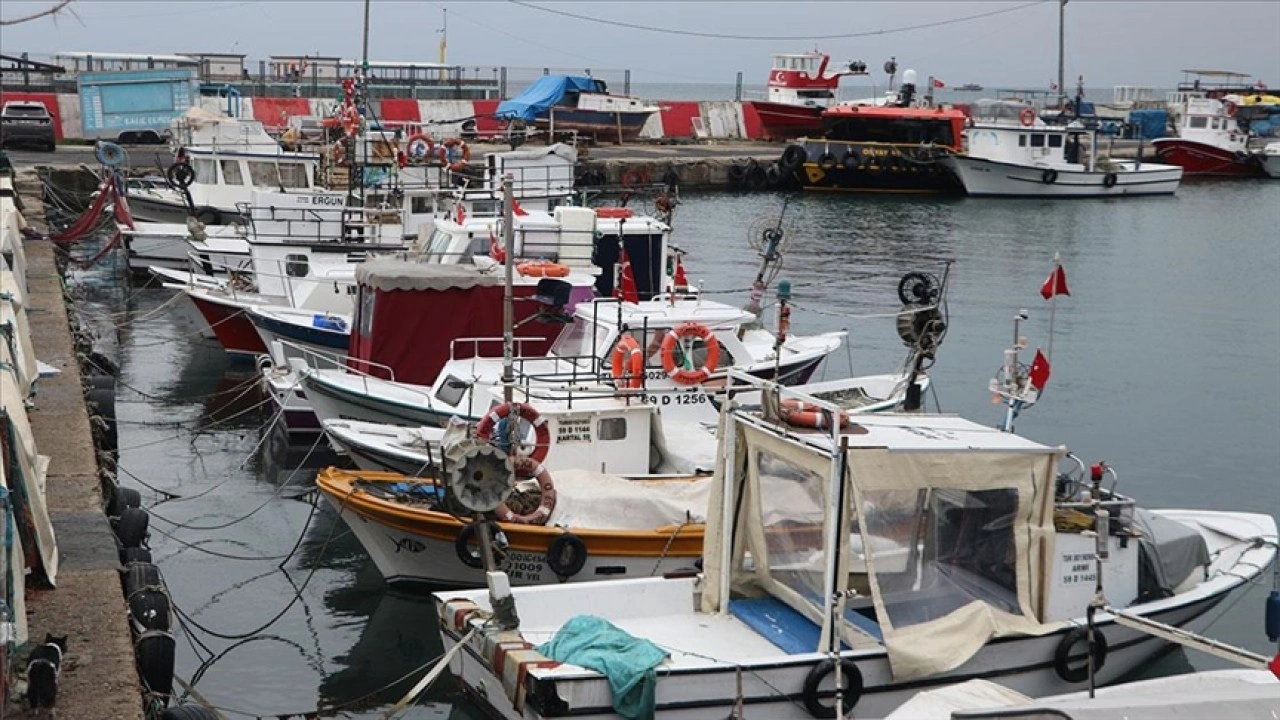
x: 135, y: 106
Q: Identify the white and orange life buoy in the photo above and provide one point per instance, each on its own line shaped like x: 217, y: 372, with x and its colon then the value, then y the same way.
x: 1027, y: 117
x: 1229, y: 108
x: 530, y: 468
x: 454, y: 154
x: 542, y: 268
x: 627, y: 363
x: 685, y: 376
x: 419, y: 148
x: 614, y: 213
x: 526, y: 412
x: 802, y: 414
x: 350, y: 120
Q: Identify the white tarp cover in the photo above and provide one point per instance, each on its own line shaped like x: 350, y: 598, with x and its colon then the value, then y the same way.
x: 985, y: 521
x: 589, y: 499
x: 17, y: 332
x: 973, y: 694
x: 32, y: 466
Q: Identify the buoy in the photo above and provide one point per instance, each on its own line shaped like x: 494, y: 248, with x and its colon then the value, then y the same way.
x: 1273, y: 616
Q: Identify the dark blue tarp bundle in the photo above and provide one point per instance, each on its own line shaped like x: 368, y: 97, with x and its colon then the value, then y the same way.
x: 541, y: 95
x: 1148, y: 124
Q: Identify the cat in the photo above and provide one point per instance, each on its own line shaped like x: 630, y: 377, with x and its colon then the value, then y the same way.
x: 43, y: 669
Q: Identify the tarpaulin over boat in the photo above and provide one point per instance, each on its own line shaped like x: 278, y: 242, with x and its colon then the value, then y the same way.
x: 541, y: 95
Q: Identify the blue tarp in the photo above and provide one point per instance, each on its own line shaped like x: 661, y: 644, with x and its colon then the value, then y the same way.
x: 1148, y: 124
x: 627, y: 661
x: 541, y: 95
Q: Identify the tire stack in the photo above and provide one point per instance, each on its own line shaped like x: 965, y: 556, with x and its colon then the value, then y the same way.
x: 150, y: 610
x: 754, y: 175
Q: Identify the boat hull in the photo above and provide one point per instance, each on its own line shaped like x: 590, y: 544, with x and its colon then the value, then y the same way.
x: 153, y: 209
x: 308, y: 340
x: 1199, y: 159
x: 230, y: 324
x: 876, y: 168
x: 605, y: 126
x: 1271, y: 165
x: 780, y: 121
x: 982, y: 177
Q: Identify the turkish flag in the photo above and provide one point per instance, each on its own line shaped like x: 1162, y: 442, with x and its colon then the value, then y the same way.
x: 938, y: 84
x: 1039, y: 373
x: 516, y: 209
x: 1275, y: 665
x: 1056, y: 284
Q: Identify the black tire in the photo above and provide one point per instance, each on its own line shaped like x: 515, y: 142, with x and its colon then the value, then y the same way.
x: 180, y: 175
x: 140, y: 576
x: 123, y: 498
x: 851, y: 160
x: 792, y: 158
x: 772, y: 177
x: 462, y: 544
x: 566, y: 555
x: 149, y: 610
x: 737, y: 175
x: 1049, y: 177
x: 671, y: 179
x: 131, y: 527
x: 1109, y: 180
x: 102, y: 403
x: 1063, y: 656
x: 756, y: 177
x: 852, y: 678
x: 827, y: 161
x: 468, y: 131
x: 917, y: 288
x: 134, y: 555
x: 100, y: 382
x: 154, y: 653
x: 188, y: 712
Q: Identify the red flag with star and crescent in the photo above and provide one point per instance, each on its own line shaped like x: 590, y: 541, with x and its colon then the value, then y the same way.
x: 1039, y: 373
x: 1056, y: 284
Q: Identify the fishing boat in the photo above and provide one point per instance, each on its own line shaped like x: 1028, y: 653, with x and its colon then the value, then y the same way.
x: 893, y: 147
x: 1012, y: 152
x: 970, y: 87
x: 847, y: 569
x: 1269, y: 156
x: 799, y: 89
x: 1209, y: 142
x: 570, y: 103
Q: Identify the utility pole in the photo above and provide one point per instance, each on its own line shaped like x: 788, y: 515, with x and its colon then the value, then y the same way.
x: 1062, y: 50
x: 364, y: 55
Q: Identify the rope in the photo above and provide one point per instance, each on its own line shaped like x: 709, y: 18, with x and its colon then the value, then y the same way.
x: 666, y: 548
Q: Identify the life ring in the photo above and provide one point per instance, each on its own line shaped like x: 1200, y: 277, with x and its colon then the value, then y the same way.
x: 1229, y: 108
x: 792, y: 158
x: 799, y: 413
x: 454, y: 154
x: 462, y: 544
x: 338, y: 153
x: 1027, y: 117
x: 1049, y: 176
x: 614, y: 212
x: 627, y: 363
x: 566, y: 555
x: 827, y: 161
x: 180, y: 175
x: 350, y: 120
x: 542, y: 268
x: 1109, y: 180
x: 420, y: 148
x: 1062, y: 656
x: 851, y: 160
x: 852, y: 691
x: 635, y: 176
x: 683, y: 376
x: 528, y: 468
x: 526, y: 412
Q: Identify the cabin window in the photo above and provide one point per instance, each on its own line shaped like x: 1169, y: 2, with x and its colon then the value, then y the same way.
x: 451, y: 391
x: 264, y: 174
x: 1055, y: 141
x: 296, y: 265
x: 484, y: 207
x: 1037, y: 140
x: 1199, y: 123
x: 293, y: 175
x: 1022, y: 140
x: 206, y: 171
x: 422, y: 205
x: 793, y: 523
x: 579, y: 340
x: 695, y: 347
x: 231, y: 174
x: 611, y: 429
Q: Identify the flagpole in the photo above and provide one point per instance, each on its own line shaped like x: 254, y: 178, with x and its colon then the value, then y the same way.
x: 1053, y: 302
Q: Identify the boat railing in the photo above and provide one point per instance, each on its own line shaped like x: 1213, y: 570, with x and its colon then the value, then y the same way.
x: 329, y: 225
x: 476, y: 343
x: 318, y: 360
x: 245, y: 282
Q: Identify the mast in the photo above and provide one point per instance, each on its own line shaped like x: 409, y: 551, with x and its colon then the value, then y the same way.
x: 364, y: 53
x: 508, y: 299
x: 444, y: 33
x: 1062, y: 52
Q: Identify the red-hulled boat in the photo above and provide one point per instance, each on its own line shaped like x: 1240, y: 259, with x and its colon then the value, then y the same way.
x: 799, y: 90
x: 1209, y: 141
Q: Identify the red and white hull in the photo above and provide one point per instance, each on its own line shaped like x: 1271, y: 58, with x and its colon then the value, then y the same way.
x: 1197, y: 158
x: 780, y: 121
x: 229, y: 319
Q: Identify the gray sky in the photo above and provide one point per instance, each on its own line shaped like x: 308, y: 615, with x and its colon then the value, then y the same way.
x: 1110, y: 42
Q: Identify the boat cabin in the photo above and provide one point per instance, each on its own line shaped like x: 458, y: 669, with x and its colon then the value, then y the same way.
x: 1212, y: 122
x: 1012, y: 132
x: 801, y: 80
x: 894, y: 125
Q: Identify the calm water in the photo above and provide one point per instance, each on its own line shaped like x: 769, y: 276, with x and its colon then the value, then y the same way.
x: 1164, y: 364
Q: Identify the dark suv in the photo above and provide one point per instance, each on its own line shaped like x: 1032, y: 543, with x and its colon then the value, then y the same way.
x: 26, y: 122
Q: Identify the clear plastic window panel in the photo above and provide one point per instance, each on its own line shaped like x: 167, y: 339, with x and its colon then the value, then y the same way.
x: 936, y: 550
x: 793, y: 509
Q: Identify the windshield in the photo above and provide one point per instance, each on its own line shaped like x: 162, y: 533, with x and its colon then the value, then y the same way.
x: 581, y: 339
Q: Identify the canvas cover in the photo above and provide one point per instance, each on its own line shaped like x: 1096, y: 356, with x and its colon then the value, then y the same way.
x: 26, y: 476
x: 538, y: 98
x: 1169, y: 552
x: 589, y: 499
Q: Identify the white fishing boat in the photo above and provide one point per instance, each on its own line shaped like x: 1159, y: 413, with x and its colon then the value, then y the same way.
x: 908, y: 551
x: 1011, y: 152
x: 1269, y: 156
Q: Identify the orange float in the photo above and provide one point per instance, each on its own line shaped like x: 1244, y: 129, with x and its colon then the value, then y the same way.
x: 683, y: 376
x: 627, y: 363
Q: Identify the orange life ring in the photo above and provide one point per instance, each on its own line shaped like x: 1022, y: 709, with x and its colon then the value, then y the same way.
x: 635, y: 176
x: 338, y: 153
x: 614, y: 212
x: 420, y: 148
x: 542, y: 268
x: 350, y: 120
x: 1027, y: 117
x: 627, y: 363
x: 528, y: 413
x: 802, y: 414
x: 683, y: 376
x: 530, y: 468
x: 454, y: 154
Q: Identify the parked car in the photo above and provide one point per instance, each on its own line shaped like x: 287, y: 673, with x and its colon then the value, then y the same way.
x: 26, y: 123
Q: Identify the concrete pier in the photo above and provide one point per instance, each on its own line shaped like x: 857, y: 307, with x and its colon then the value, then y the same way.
x: 99, y: 680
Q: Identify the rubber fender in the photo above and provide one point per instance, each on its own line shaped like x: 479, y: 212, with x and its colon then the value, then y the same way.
x: 139, y: 576
x: 131, y: 527
x: 149, y: 610
x: 154, y: 653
